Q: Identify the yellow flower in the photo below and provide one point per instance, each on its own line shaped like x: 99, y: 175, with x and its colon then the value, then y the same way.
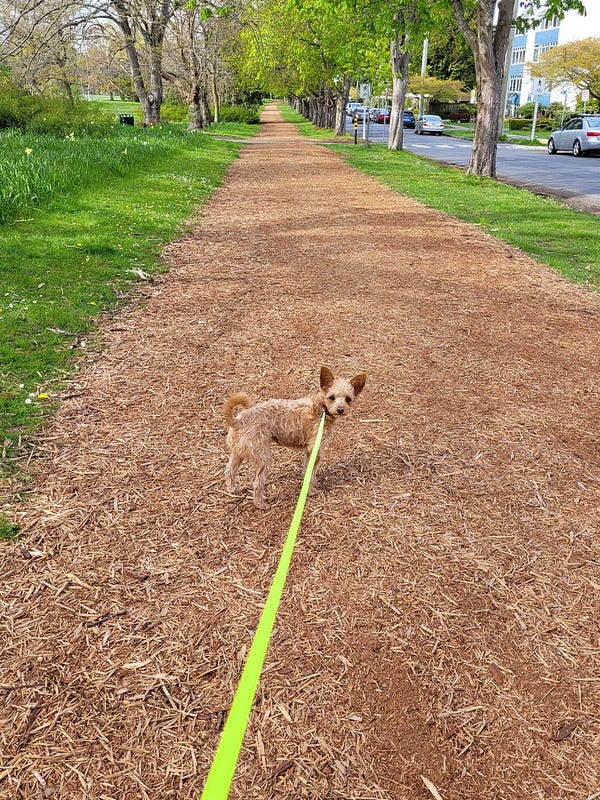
x: 28, y: 150
x: 91, y: 303
x: 42, y: 396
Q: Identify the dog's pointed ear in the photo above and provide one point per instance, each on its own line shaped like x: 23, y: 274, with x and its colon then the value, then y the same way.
x: 326, y: 378
x: 358, y: 382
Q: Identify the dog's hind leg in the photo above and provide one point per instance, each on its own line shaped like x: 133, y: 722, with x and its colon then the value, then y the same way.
x: 232, y: 469
x: 262, y: 463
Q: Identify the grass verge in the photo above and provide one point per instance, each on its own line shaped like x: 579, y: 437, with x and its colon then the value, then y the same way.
x: 565, y: 239
x: 80, y: 254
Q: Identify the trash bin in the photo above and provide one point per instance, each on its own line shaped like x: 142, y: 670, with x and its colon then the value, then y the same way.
x: 126, y: 119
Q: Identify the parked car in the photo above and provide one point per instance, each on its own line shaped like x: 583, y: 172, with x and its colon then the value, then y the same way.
x: 361, y: 112
x: 429, y: 123
x: 351, y: 107
x: 383, y: 115
x: 580, y: 135
x: 408, y: 120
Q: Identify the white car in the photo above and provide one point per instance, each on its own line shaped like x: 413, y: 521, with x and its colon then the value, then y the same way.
x: 429, y: 123
x: 579, y: 136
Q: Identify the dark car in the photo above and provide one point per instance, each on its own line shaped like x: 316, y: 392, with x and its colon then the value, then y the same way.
x: 408, y: 120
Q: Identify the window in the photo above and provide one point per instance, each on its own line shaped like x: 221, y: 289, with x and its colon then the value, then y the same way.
x: 540, y: 49
x: 515, y: 83
x: 518, y: 55
x: 549, y: 23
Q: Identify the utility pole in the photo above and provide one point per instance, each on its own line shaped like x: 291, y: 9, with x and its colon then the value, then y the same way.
x: 423, y: 73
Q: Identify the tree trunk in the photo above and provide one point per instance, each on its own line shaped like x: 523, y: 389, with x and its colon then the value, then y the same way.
x: 488, y: 35
x: 195, y: 120
x: 342, y: 102
x: 215, y: 94
x: 204, y: 107
x: 329, y: 108
x: 66, y: 85
x: 134, y: 65
x: 487, y: 125
x: 399, y: 59
x: 151, y: 98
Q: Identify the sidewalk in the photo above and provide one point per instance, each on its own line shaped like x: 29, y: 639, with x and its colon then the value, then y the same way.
x: 440, y: 615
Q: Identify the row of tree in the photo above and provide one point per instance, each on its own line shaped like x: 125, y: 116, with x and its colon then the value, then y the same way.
x: 124, y: 47
x: 309, y: 50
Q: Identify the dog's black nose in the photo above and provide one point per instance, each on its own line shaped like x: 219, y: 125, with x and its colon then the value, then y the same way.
x: 340, y: 411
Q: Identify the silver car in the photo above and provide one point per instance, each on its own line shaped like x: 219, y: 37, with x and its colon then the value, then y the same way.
x: 579, y: 135
x: 429, y: 123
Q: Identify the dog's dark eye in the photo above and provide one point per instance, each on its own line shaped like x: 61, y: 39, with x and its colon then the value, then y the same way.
x: 348, y: 399
x: 331, y: 397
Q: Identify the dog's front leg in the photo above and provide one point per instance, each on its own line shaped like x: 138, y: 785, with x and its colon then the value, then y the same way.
x: 307, y: 452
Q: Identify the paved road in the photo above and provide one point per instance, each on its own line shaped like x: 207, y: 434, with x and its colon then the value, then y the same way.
x: 575, y: 180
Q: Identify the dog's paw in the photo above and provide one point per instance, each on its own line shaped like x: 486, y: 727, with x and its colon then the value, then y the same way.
x: 262, y: 505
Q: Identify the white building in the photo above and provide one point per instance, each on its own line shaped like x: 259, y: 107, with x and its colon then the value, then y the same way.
x: 528, y: 47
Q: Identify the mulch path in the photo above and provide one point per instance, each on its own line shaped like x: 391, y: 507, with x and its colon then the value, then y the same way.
x: 439, y: 630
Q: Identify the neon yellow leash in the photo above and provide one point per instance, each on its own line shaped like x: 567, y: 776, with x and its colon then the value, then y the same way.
x: 223, y: 766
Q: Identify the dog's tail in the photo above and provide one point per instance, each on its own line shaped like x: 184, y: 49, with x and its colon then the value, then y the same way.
x: 237, y: 399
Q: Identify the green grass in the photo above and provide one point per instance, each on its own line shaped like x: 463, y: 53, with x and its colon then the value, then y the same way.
x: 465, y: 130
x: 237, y: 130
x: 73, y: 254
x: 37, y: 170
x: 565, y: 239
x: 116, y: 107
x: 7, y: 529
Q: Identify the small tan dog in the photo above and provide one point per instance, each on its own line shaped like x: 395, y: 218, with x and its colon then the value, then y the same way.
x: 291, y: 423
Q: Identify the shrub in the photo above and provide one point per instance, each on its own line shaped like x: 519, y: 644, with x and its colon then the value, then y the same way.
x: 247, y: 114
x: 56, y: 116
x: 519, y: 124
x: 174, y: 112
x: 526, y: 111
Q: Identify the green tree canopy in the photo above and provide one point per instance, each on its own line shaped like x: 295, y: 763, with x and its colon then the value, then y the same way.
x: 450, y: 57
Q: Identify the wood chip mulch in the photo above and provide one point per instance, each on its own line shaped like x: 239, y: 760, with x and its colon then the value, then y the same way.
x: 439, y: 635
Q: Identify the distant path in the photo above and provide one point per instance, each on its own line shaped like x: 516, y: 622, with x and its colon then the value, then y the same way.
x: 441, y: 615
